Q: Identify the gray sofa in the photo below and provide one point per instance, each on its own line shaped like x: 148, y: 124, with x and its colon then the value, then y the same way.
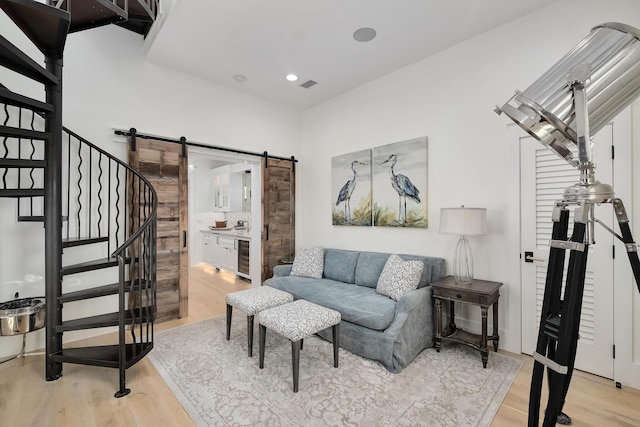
x: 373, y: 325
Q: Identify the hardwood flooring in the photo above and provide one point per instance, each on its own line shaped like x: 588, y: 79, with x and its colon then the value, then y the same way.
x: 84, y: 395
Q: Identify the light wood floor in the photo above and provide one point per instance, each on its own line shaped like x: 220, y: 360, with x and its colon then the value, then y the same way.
x: 84, y: 395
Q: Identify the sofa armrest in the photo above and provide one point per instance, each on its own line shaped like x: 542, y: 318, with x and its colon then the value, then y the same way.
x: 412, y: 327
x: 417, y: 299
x: 416, y: 303
x: 282, y: 270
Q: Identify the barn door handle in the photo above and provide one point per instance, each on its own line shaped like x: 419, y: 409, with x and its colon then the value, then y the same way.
x: 184, y: 238
x: 266, y: 228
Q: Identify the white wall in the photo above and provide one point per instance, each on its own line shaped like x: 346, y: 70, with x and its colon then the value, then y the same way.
x: 107, y: 84
x: 448, y: 97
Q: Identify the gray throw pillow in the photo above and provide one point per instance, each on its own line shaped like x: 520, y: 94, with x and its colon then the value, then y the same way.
x: 399, y: 277
x: 308, y: 263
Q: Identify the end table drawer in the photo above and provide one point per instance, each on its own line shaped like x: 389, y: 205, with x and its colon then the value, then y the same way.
x: 453, y: 295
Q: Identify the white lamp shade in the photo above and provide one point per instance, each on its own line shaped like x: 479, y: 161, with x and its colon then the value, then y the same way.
x: 463, y: 221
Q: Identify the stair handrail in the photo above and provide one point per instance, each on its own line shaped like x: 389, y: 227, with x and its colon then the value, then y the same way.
x: 154, y: 207
x: 141, y: 315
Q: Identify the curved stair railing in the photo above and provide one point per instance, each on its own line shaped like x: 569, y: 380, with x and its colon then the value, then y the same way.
x: 110, y: 204
x: 96, y: 209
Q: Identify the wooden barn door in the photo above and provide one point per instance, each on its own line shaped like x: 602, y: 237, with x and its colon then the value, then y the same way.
x: 165, y: 166
x: 278, y: 213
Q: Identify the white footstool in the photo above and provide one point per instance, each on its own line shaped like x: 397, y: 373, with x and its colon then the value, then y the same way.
x: 253, y: 301
x: 296, y: 321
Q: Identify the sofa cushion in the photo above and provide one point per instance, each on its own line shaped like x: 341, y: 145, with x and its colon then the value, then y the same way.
x: 369, y: 267
x: 371, y: 264
x: 399, y: 277
x: 340, y: 265
x: 427, y: 273
x: 309, y: 263
x: 357, y: 304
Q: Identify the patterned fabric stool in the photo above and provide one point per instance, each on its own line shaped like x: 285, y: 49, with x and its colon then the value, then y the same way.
x: 296, y: 321
x: 253, y: 301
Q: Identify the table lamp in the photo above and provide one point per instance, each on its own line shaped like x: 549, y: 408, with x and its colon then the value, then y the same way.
x: 463, y: 222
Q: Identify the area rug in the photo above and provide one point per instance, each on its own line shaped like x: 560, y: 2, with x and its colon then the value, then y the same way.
x: 218, y: 385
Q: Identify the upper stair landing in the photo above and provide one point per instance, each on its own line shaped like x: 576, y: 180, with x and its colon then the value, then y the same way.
x: 44, y: 25
x: 134, y: 15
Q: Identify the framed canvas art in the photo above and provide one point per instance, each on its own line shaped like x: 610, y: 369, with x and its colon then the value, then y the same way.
x: 351, y: 188
x: 400, y: 184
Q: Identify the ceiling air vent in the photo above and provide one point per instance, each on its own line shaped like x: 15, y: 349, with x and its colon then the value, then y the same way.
x: 308, y: 84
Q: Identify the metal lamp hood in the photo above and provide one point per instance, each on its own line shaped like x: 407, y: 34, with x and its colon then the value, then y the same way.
x: 546, y: 109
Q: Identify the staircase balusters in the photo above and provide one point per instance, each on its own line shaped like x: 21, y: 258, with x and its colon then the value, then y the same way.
x: 4, y: 145
x: 19, y: 148
x: 31, y: 157
x: 117, y: 206
x: 79, y: 192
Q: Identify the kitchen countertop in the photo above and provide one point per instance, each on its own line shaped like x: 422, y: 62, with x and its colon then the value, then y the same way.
x: 240, y: 234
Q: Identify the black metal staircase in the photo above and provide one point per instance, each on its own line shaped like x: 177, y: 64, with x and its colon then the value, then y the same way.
x: 90, y: 202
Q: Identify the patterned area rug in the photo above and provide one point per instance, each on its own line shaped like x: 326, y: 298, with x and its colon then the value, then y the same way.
x: 219, y: 385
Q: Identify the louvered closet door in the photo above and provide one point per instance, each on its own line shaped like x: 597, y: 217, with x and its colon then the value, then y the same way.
x: 544, y: 177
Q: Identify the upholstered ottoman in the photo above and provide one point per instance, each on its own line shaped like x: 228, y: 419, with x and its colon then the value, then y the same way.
x: 253, y: 301
x: 296, y: 321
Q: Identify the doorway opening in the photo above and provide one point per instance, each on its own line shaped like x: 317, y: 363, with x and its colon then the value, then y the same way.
x: 225, y: 220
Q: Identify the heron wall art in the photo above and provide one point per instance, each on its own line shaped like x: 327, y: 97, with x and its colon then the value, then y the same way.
x: 400, y: 184
x: 351, y: 189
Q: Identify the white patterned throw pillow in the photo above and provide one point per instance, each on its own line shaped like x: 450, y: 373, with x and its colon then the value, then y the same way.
x: 309, y: 263
x: 399, y: 277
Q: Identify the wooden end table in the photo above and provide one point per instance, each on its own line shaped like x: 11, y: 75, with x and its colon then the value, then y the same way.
x: 479, y: 292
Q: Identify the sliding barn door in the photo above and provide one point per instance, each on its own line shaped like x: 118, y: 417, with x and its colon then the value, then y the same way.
x: 165, y: 166
x: 278, y: 213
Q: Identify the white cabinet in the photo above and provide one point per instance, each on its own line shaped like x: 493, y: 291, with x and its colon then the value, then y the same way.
x: 217, y: 251
x: 225, y: 253
x: 207, y: 247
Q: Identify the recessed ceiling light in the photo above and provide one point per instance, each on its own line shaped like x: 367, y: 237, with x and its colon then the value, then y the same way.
x: 364, y: 34
x: 292, y: 77
x: 239, y: 78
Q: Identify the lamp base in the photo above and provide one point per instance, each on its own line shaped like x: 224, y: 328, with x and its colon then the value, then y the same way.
x: 463, y: 262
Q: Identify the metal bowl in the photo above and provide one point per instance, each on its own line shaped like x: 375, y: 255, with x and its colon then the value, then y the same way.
x: 20, y: 316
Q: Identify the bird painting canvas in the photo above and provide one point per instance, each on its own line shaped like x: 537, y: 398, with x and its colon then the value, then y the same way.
x: 400, y: 184
x: 351, y: 189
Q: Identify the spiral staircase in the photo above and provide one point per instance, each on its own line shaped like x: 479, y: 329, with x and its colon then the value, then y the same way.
x: 89, y: 201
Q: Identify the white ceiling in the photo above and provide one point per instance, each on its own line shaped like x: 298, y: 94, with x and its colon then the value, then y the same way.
x: 264, y: 40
